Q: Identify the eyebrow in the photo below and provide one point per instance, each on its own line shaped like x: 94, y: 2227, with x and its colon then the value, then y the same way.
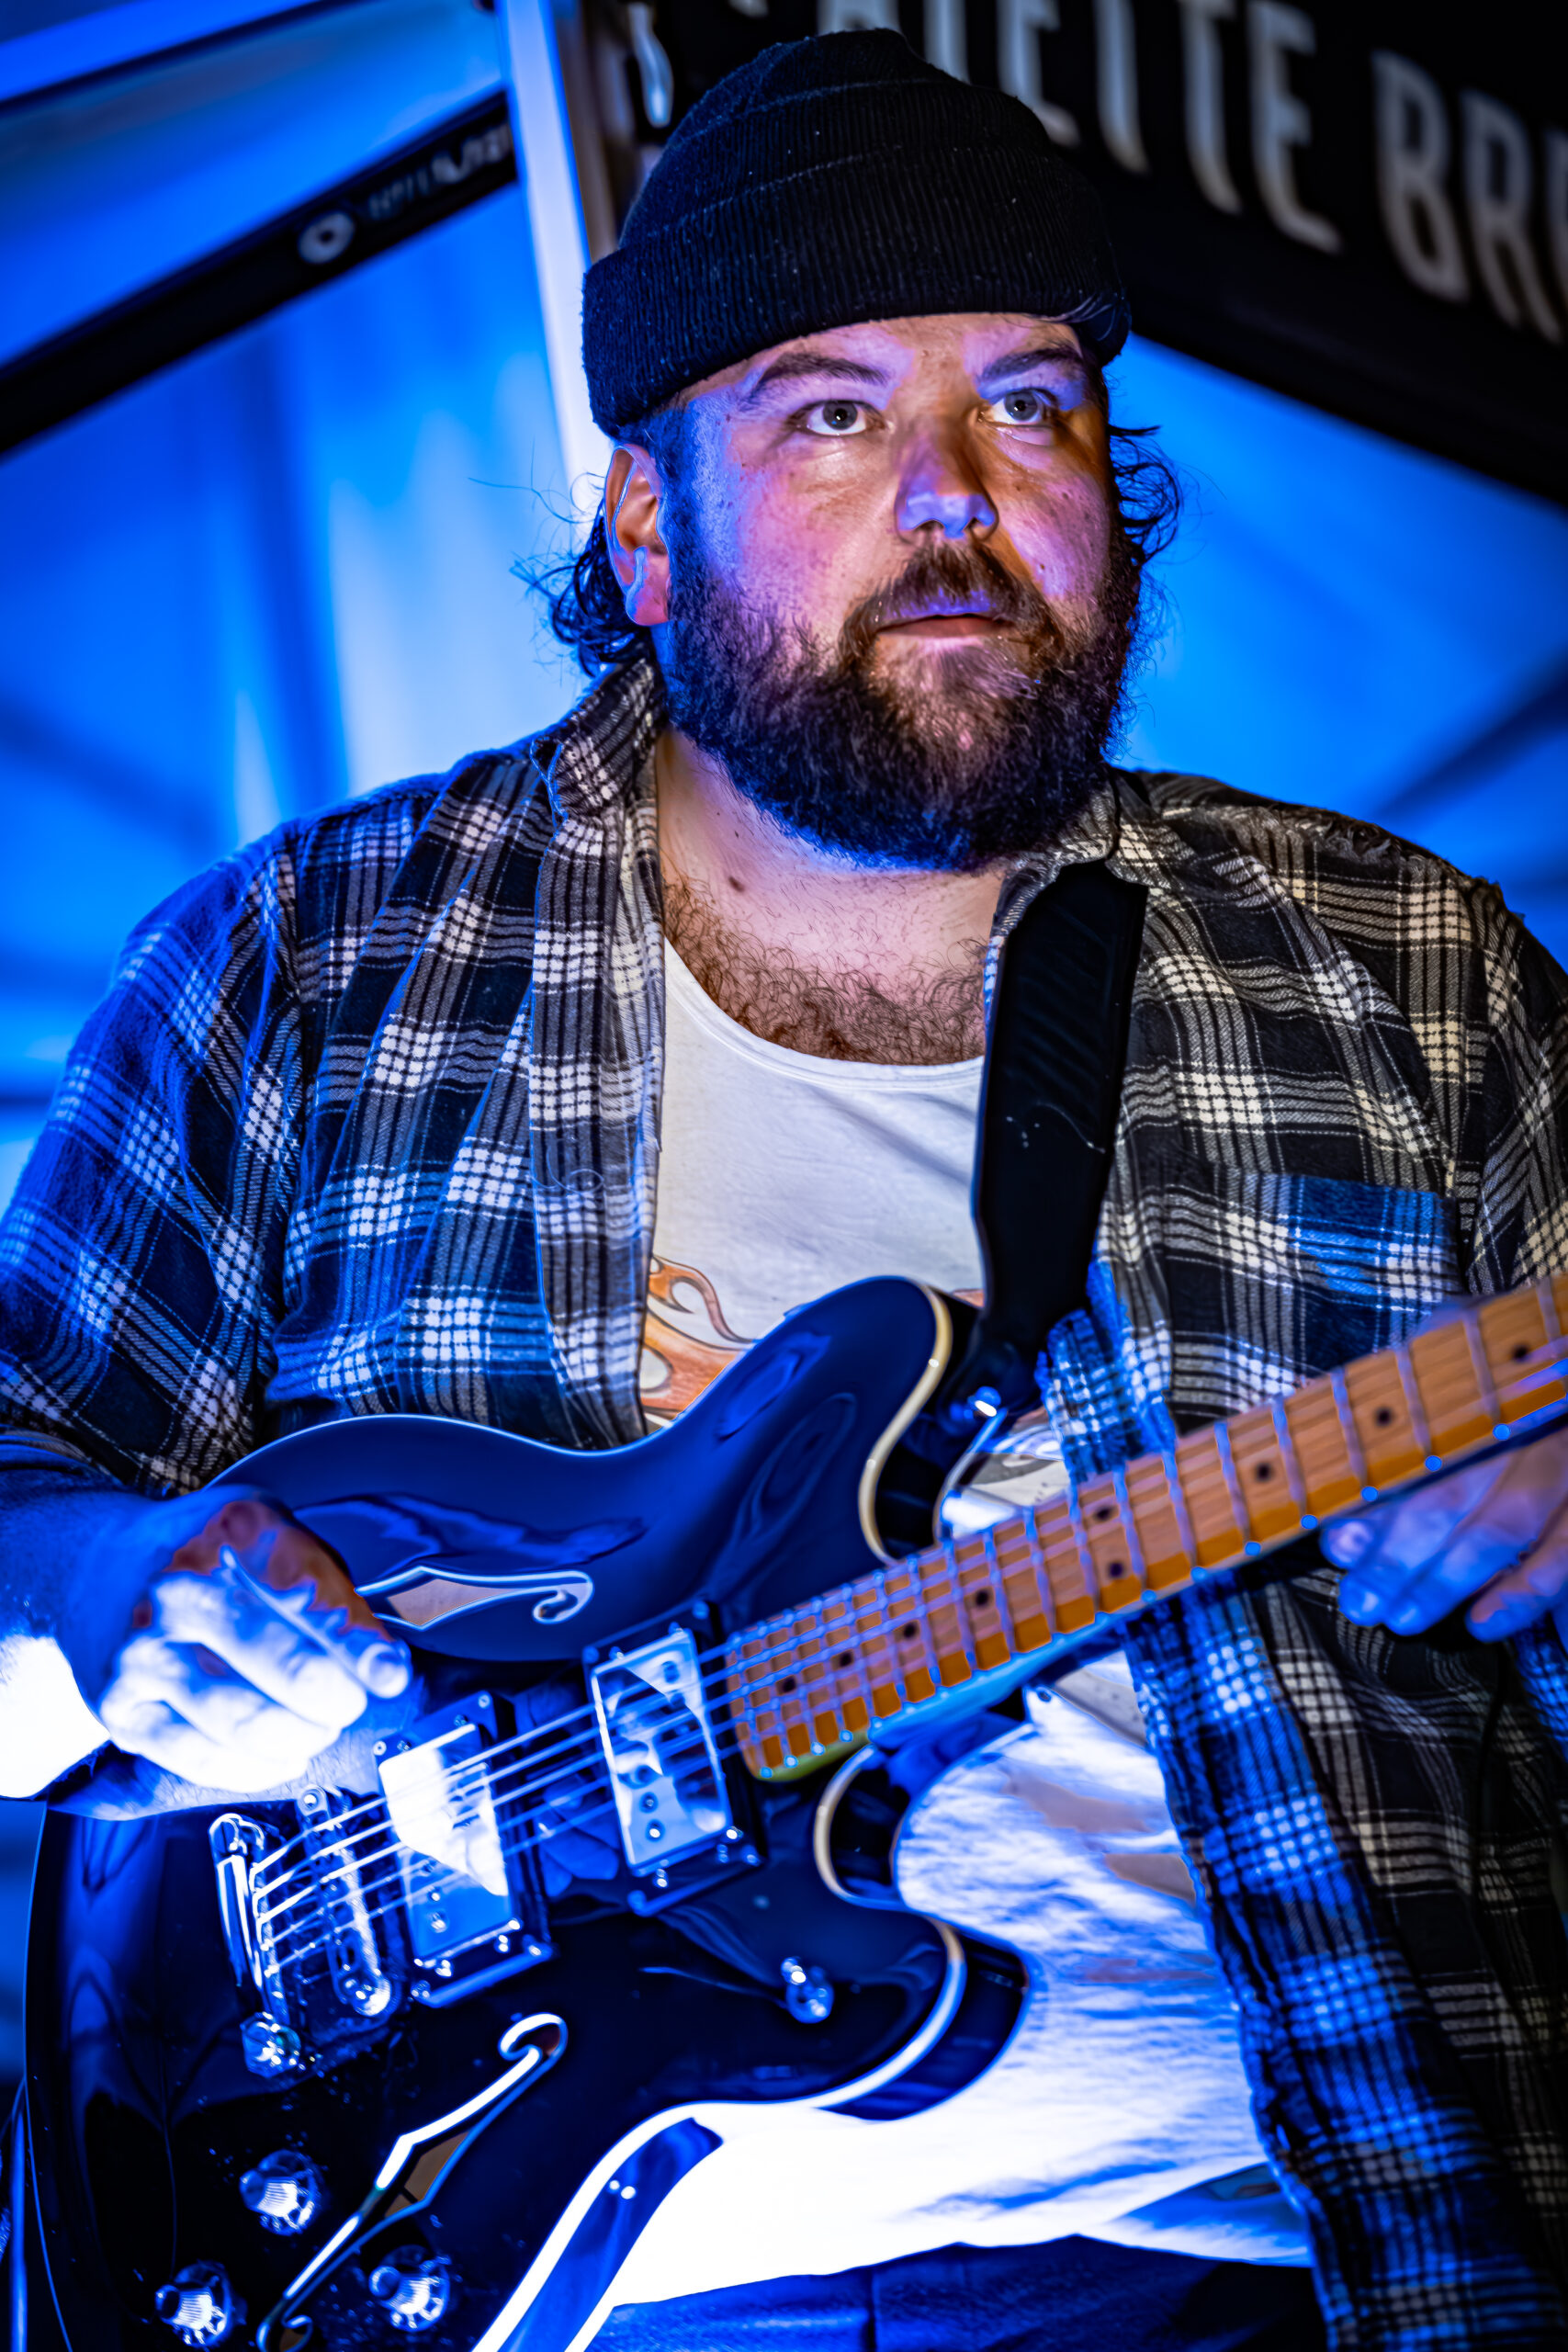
x: 792, y: 367
x: 1061, y: 356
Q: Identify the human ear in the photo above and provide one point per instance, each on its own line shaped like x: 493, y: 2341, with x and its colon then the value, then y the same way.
x: 638, y: 556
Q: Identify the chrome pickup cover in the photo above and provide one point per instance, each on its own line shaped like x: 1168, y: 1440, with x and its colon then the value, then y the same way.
x: 470, y: 1904
x: 658, y: 1749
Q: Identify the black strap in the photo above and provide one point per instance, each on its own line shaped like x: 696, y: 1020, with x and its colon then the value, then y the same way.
x: 1048, y: 1109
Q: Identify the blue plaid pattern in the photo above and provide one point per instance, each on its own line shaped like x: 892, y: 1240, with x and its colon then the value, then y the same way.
x: 369, y: 1121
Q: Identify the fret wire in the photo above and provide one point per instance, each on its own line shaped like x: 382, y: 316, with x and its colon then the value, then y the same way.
x: 1043, y: 1592
x: 1487, y: 1393
x: 999, y: 1590
x: 959, y: 1612
x: 1129, y: 1524
x: 1233, y: 1488
x: 1286, y: 1444
x: 1419, y: 1429
x: 811, y: 1713
x: 1080, y: 1537
x: 1546, y: 1299
x: 748, y: 1708
x: 793, y: 1664
x: 898, y: 1683
x: 1179, y: 1512
x: 857, y: 1656
x: 1351, y: 1435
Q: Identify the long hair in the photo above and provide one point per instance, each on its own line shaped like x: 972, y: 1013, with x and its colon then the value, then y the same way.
x: 587, y: 610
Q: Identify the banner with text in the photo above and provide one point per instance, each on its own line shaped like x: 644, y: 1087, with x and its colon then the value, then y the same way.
x: 1360, y: 202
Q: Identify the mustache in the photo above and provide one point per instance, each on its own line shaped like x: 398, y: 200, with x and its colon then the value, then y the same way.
x: 958, y: 577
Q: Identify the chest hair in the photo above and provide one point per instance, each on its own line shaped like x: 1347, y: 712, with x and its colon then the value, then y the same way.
x: 851, y: 1014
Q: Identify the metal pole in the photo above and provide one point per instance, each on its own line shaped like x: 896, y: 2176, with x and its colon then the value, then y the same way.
x: 543, y: 133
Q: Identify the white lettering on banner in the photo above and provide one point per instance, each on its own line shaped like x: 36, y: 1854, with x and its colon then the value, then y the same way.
x: 1019, y: 24
x: 946, y: 42
x: 1116, y: 60
x: 856, y: 15
x: 1497, y: 182
x: 1279, y: 121
x: 1413, y: 170
x: 1557, y: 205
x: 1203, y: 99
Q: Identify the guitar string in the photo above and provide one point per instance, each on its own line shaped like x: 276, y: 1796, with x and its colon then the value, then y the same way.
x: 488, y: 1783
x: 480, y: 1779
x: 923, y: 1602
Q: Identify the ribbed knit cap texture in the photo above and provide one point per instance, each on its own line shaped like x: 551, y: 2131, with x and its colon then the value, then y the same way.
x: 830, y: 181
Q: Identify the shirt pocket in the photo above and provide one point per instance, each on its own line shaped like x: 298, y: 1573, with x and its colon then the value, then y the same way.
x: 1267, y: 1281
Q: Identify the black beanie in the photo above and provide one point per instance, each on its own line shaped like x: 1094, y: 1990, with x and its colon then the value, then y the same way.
x: 834, y: 180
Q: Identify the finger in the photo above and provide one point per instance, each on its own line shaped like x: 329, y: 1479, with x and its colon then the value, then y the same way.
x: 159, y: 1681
x: 282, y: 1556
x: 256, y: 1635
x: 1386, y: 1550
x: 1527, y: 1591
x: 155, y: 1730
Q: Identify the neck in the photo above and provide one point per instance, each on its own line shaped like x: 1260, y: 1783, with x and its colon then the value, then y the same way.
x: 810, y: 950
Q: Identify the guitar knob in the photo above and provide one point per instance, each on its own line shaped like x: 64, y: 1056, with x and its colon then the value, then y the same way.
x: 808, y: 1995
x: 199, y: 2305
x: 414, y: 2289
x: 285, y: 2193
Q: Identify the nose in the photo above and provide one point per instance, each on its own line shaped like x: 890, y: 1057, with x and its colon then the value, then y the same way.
x: 938, y: 487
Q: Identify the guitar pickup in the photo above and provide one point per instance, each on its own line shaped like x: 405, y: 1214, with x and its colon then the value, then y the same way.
x: 665, y: 1777
x: 471, y: 1903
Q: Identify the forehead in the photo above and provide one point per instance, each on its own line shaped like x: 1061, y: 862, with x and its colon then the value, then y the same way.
x: 885, y: 353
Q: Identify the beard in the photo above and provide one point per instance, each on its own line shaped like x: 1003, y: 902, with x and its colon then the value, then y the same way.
x: 980, y: 753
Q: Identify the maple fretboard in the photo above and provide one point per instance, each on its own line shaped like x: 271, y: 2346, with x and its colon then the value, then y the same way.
x: 810, y: 1684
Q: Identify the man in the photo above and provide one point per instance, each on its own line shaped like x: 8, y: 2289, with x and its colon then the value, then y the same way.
x: 373, y: 1120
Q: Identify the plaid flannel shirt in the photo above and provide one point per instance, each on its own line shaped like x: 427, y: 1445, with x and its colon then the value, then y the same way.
x: 369, y: 1121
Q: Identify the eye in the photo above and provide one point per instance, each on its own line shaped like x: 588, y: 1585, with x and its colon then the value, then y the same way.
x: 1027, y: 406
x: 835, y: 419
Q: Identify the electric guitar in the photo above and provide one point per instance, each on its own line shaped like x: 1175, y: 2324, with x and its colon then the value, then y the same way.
x: 340, y: 2069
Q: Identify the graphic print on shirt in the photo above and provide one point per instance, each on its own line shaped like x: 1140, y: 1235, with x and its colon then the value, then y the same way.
x: 686, y: 1342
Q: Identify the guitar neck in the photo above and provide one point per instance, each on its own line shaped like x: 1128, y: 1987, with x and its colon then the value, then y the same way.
x: 814, y: 1682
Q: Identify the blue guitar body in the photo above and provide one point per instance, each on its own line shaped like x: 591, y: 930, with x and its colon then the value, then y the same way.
x: 289, y: 2081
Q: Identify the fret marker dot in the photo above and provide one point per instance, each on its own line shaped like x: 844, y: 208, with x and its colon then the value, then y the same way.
x: 1368, y: 1494
x: 1264, y: 1470
x: 908, y: 1632
x: 1383, y: 1415
x: 1103, y: 1511
x: 787, y: 1682
x: 844, y: 1661
x: 983, y: 1598
x: 1433, y: 1461
x: 1520, y: 1353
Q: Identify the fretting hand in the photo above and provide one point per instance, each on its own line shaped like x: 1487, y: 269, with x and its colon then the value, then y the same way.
x: 1495, y: 1533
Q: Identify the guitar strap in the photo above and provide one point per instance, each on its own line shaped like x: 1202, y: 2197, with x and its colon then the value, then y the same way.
x: 1049, y: 1102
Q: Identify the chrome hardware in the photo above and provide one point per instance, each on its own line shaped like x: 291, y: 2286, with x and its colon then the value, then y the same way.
x: 237, y: 1845
x: 473, y: 1909
x: 270, y: 2049
x: 358, y: 1978
x: 414, y: 2289
x: 659, y: 1746
x: 285, y: 2193
x: 199, y: 2305
x: 808, y: 1996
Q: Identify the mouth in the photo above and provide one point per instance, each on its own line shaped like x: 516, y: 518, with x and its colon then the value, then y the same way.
x: 943, y: 623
